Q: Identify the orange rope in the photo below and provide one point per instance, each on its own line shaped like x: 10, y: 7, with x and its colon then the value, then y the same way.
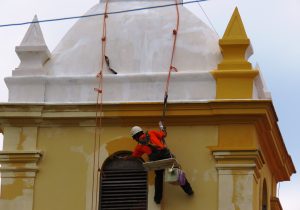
x: 99, y: 105
x: 99, y: 109
x: 171, y: 68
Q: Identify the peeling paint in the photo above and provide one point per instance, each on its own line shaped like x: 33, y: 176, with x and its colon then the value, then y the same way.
x: 22, y: 138
x: 12, y: 190
x: 243, y: 191
x: 23, y: 202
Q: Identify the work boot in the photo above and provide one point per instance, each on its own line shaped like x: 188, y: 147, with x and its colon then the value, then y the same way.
x: 190, y: 192
x: 157, y: 201
x: 187, y: 188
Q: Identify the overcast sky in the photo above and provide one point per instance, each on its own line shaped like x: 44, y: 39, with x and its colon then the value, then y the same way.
x: 273, y: 27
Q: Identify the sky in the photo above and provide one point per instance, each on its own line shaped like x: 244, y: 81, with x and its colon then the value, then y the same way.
x: 273, y: 27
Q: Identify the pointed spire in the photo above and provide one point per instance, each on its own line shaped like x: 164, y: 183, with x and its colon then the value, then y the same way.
x: 34, y: 35
x: 235, y: 28
x: 235, y: 44
x: 235, y: 76
x: 33, y: 51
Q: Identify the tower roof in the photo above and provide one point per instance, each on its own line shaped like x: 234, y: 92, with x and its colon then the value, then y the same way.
x: 139, y: 46
x: 137, y: 42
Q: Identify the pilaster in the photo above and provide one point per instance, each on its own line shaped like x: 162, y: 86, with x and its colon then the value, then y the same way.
x: 18, y: 160
x: 238, y: 174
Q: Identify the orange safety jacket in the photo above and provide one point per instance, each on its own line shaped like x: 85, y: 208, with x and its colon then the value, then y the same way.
x: 155, y: 140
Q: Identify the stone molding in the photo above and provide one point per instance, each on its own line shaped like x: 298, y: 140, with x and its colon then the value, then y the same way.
x: 259, y: 113
x: 275, y: 204
x: 239, y: 161
x: 19, y: 163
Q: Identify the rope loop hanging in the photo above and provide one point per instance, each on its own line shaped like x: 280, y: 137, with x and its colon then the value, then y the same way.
x: 99, y: 111
x: 172, y: 68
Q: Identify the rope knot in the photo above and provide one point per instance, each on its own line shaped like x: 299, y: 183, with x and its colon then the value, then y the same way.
x: 172, y: 68
x: 99, y: 75
x: 103, y: 39
x: 98, y: 90
x: 174, y: 31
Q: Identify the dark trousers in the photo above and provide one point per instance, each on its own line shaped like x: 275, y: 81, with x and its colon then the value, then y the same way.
x: 159, y: 181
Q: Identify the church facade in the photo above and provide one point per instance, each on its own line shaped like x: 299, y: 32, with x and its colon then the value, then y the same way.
x: 222, y: 125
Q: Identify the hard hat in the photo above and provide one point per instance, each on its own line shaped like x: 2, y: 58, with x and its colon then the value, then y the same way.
x: 135, y: 130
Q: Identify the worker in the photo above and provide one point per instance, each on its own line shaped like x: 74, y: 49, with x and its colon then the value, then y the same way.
x: 153, y: 144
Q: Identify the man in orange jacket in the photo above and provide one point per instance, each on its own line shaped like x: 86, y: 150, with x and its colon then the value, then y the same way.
x: 152, y: 143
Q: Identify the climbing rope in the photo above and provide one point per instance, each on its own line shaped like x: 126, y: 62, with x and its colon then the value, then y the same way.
x: 171, y: 67
x: 99, y: 110
x: 99, y: 104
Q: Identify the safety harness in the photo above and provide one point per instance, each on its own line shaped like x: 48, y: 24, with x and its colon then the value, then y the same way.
x: 158, y: 153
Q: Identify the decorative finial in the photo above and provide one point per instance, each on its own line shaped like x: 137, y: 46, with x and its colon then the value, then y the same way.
x: 34, y: 35
x: 234, y: 45
x: 235, y: 28
x: 234, y: 76
x: 33, y: 51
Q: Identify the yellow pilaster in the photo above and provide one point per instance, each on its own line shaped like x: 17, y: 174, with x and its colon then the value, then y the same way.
x: 234, y: 76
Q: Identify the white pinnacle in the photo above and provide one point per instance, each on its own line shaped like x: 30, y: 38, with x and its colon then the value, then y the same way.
x: 34, y: 35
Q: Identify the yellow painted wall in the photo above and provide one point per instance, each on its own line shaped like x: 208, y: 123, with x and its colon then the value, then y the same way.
x: 65, y: 177
x: 237, y: 136
x: 62, y: 179
x: 190, y: 146
x: 223, y: 163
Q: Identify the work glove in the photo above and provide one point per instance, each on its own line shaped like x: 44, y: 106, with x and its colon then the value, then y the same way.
x: 161, y: 126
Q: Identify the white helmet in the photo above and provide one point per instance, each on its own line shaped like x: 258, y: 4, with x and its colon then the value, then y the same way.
x: 135, y: 130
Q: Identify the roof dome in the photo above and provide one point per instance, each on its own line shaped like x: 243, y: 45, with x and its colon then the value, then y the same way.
x: 137, y: 42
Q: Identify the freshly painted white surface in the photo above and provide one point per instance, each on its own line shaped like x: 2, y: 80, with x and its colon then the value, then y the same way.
x: 139, y: 46
x: 32, y: 52
x: 260, y: 89
x: 137, y: 42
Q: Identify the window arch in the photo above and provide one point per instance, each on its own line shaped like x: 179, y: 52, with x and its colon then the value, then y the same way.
x: 264, y: 196
x: 123, y: 184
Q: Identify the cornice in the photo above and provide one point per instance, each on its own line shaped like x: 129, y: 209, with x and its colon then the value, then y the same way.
x: 207, y: 112
x: 19, y: 163
x: 238, y: 160
x: 7, y: 157
x: 260, y: 113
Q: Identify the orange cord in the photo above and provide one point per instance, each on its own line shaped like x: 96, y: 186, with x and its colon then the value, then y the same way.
x: 171, y: 68
x: 99, y: 109
x: 99, y: 105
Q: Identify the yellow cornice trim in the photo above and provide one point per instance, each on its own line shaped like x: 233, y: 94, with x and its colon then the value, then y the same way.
x: 234, y: 42
x: 247, y: 73
x: 260, y: 113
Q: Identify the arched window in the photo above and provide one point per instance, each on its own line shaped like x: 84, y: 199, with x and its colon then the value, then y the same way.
x: 123, y: 184
x: 264, y: 196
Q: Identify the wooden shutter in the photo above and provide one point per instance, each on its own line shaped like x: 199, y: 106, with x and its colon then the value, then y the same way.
x: 123, y: 184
